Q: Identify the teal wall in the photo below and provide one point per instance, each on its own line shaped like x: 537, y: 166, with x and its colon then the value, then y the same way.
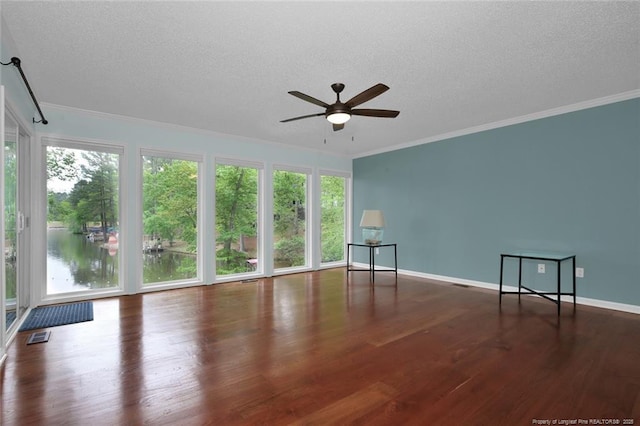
x: 568, y: 183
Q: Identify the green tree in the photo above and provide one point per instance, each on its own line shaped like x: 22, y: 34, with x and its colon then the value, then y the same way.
x: 61, y: 164
x: 170, y: 202
x: 101, y: 169
x: 95, y: 198
x: 152, y: 222
x: 58, y: 206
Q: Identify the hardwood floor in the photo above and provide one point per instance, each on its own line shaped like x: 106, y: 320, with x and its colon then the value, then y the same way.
x: 310, y: 349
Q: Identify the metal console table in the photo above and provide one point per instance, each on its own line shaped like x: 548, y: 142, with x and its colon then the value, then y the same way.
x: 558, y: 258
x: 372, y: 259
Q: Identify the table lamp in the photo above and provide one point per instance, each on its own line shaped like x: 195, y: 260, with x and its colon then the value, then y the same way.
x: 372, y: 224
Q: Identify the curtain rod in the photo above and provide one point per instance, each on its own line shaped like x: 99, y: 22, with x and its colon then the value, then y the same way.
x: 16, y: 61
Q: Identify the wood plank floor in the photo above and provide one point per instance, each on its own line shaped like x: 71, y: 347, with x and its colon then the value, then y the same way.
x: 310, y: 349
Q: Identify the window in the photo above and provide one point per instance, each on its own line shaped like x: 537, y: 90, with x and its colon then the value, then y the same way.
x: 82, y: 218
x: 332, y: 220
x: 237, y: 219
x: 169, y: 219
x: 290, y: 236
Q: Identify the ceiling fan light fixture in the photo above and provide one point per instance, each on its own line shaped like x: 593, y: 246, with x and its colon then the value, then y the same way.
x: 340, y: 112
x: 338, y: 117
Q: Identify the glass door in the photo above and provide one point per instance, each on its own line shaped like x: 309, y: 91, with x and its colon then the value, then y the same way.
x: 12, y: 220
x: 3, y: 284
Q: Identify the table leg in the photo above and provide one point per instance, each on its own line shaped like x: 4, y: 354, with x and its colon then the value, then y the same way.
x: 519, y: 278
x: 559, y: 290
x: 501, y: 268
x: 372, y: 263
x: 574, y: 283
x: 395, y: 256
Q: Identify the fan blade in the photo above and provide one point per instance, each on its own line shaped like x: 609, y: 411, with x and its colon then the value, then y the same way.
x: 368, y: 94
x: 337, y: 127
x: 309, y: 98
x: 386, y: 113
x: 301, y: 117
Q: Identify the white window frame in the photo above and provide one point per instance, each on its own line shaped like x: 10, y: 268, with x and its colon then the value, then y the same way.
x: 347, y: 215
x: 310, y: 219
x: 39, y: 221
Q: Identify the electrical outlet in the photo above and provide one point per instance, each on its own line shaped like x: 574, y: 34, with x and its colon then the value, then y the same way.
x: 377, y: 251
x: 580, y: 272
x: 541, y: 268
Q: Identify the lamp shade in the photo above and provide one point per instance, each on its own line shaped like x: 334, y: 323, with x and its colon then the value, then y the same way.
x: 372, y: 219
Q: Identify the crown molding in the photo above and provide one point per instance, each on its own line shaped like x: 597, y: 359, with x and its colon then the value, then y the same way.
x: 511, y: 121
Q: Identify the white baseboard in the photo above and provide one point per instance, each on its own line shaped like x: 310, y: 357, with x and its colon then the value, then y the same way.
x: 634, y: 309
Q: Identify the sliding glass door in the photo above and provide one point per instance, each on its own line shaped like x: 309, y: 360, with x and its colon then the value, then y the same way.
x: 15, y: 174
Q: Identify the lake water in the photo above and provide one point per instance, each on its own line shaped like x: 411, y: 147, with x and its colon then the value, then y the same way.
x: 74, y: 263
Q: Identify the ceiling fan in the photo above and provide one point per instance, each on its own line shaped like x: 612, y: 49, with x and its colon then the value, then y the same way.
x: 339, y: 113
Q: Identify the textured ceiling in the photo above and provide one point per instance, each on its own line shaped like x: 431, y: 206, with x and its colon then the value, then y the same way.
x: 227, y: 66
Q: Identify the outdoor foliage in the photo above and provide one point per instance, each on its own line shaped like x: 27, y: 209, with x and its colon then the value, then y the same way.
x: 170, y: 200
x: 333, y: 216
x: 61, y: 164
x: 58, y: 206
x: 10, y: 210
x: 10, y: 192
x: 236, y: 216
x: 289, y: 217
x: 290, y: 250
x: 94, y: 198
x: 170, y: 213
